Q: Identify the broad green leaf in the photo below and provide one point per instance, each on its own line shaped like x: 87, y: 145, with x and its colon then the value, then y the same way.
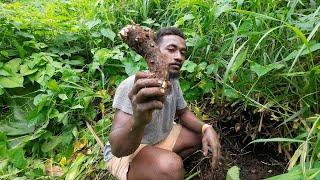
x: 181, y: 20
x: 202, y: 66
x: 11, y: 82
x: 4, y: 72
x: 40, y: 99
x: 13, y: 65
x: 36, y: 117
x: 131, y: 68
x: 16, y: 157
x: 51, y: 144
x: 262, y: 70
x: 53, y: 85
x: 77, y: 107
x: 211, y: 68
x: 25, y: 70
x: 25, y: 34
x: 233, y: 173
x: 16, y: 128
x: 102, y: 55
x: 1, y: 91
x: 230, y: 93
x: 185, y: 85
x: 3, y: 146
x: 50, y: 70
x: 63, y: 96
x: 91, y: 24
x: 108, y: 33
x: 189, y: 66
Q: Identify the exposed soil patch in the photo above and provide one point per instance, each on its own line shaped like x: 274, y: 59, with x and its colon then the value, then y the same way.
x: 236, y: 128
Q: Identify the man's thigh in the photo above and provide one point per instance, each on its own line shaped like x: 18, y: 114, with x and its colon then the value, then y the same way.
x: 155, y: 163
x: 187, y: 140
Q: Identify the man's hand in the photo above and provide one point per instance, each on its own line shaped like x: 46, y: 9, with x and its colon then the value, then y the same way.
x: 210, y: 140
x: 146, y: 96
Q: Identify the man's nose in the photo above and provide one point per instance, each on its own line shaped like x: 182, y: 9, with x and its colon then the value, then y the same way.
x: 178, y: 56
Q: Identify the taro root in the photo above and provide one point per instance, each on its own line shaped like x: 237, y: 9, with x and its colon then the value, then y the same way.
x: 141, y: 40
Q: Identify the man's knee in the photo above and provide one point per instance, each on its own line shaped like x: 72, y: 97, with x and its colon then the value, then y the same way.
x: 170, y: 166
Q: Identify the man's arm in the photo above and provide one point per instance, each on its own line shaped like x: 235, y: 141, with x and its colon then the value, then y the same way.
x: 189, y: 120
x: 209, y: 136
x: 145, y: 96
x: 124, y: 134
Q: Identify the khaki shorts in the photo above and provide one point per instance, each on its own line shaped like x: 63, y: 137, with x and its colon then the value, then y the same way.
x: 119, y: 167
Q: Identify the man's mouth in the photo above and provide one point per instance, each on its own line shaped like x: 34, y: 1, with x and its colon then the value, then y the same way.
x: 175, y: 65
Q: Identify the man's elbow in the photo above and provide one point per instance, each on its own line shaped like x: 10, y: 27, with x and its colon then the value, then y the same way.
x: 119, y: 150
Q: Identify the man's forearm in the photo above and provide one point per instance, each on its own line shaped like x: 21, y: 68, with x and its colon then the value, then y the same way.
x: 126, y: 139
x: 189, y: 120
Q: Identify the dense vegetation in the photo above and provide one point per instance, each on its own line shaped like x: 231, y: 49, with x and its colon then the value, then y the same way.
x: 61, y: 60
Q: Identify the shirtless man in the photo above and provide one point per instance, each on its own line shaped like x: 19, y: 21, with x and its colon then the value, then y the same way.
x: 145, y: 142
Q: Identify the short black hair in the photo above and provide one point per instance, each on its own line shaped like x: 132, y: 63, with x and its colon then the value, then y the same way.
x: 168, y: 31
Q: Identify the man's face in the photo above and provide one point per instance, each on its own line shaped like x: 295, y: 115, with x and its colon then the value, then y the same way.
x: 174, y: 49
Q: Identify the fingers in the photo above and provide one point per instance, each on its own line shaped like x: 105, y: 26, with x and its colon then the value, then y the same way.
x: 146, y: 94
x: 143, y: 75
x: 215, y: 153
x: 151, y: 105
x: 144, y: 83
x: 205, y: 147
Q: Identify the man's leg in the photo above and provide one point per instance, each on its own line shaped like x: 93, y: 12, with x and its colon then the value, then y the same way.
x: 155, y: 163
x: 188, y: 142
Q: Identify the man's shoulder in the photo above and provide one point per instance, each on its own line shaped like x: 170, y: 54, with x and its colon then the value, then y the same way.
x: 128, y: 82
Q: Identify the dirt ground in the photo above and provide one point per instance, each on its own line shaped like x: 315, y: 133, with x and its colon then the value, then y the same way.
x: 236, y: 125
x: 255, y: 163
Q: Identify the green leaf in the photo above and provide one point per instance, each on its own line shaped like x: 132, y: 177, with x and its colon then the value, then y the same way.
x: 4, y: 72
x: 25, y: 70
x: 3, y: 146
x: 233, y: 173
x: 13, y: 65
x: 131, y: 68
x: 108, y: 33
x: 40, y: 99
x: 77, y: 107
x: 51, y: 144
x: 53, y: 85
x: 230, y: 93
x: 91, y: 24
x: 63, y: 96
x: 11, y: 82
x: 211, y: 68
x: 50, y: 70
x: 262, y: 70
x: 1, y: 91
x: 239, y: 61
x: 16, y: 157
x: 277, y: 140
x: 305, y: 51
x: 102, y: 55
x: 189, y: 66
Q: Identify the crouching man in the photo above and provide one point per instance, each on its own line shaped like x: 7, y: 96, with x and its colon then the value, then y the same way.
x: 145, y: 142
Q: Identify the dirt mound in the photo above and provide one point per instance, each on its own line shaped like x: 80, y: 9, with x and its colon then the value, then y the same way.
x: 237, y: 127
